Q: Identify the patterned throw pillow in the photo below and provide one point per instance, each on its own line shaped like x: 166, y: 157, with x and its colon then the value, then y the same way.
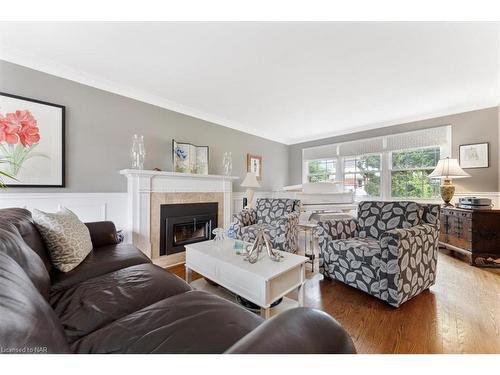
x: 66, y: 237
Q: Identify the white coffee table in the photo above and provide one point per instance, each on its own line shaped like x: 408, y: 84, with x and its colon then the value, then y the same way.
x: 262, y: 283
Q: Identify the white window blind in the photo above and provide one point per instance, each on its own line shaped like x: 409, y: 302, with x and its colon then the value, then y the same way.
x: 361, y: 147
x: 320, y: 152
x: 438, y: 136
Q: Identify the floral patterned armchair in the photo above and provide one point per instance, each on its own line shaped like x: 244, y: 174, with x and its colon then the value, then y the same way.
x: 278, y: 217
x: 389, y: 251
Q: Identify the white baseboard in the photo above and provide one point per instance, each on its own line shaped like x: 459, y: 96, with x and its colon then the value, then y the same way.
x: 88, y: 206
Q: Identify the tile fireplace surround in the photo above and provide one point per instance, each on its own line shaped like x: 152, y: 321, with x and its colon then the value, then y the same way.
x: 147, y: 190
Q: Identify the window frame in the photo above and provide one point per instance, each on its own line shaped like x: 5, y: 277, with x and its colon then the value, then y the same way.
x: 385, y: 167
x: 306, y: 168
x: 357, y: 157
x: 391, y: 169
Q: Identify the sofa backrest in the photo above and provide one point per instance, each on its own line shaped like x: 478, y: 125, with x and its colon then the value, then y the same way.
x: 13, y: 245
x: 269, y: 210
x: 431, y: 214
x: 27, y: 322
x: 376, y: 217
x: 22, y: 220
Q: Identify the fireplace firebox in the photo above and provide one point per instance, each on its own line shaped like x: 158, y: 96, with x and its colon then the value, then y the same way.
x: 185, y: 223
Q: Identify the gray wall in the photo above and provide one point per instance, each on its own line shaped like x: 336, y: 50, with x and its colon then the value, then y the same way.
x: 100, y: 125
x: 469, y: 127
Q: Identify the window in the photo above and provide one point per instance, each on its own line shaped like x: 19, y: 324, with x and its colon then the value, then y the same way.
x: 321, y: 170
x: 394, y: 166
x: 362, y: 175
x: 409, y: 171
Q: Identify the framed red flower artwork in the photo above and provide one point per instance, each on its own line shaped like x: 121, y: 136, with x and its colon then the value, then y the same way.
x: 31, y: 142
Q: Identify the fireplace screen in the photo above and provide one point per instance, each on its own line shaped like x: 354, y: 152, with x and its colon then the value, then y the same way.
x: 185, y: 233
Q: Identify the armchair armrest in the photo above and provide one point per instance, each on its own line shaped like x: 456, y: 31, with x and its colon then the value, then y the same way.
x: 328, y: 231
x: 102, y: 233
x: 298, y: 331
x: 244, y: 218
x: 408, y: 262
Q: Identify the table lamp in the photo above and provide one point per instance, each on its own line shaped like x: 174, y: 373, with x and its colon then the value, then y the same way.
x: 250, y: 182
x: 447, y: 169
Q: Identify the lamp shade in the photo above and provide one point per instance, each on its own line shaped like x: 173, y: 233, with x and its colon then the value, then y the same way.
x: 448, y: 168
x: 250, y: 181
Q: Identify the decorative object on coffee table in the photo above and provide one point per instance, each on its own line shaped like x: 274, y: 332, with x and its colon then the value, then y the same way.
x: 31, y: 141
x: 261, y: 241
x: 218, y: 236
x: 475, y: 155
x: 447, y: 169
x: 251, y: 183
x: 188, y: 158
x: 254, y: 165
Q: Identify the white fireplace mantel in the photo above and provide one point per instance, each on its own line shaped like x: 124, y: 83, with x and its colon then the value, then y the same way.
x: 140, y: 185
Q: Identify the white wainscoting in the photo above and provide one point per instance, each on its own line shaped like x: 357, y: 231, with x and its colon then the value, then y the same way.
x: 88, y: 206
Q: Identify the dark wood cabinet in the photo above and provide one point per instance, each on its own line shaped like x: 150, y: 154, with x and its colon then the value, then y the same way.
x: 475, y: 233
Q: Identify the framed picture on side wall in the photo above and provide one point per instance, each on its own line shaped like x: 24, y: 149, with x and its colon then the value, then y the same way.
x: 31, y: 141
x: 474, y: 155
x: 254, y: 164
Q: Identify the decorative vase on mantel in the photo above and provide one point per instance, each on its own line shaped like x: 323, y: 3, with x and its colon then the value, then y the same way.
x: 227, y: 162
x: 137, y: 152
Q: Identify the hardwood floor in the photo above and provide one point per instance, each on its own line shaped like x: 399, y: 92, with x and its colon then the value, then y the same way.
x: 459, y: 314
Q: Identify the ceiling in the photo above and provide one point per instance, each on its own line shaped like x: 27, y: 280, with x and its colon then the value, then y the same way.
x: 289, y: 82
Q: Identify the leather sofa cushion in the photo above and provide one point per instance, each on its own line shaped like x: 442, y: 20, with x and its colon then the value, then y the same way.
x: 13, y: 245
x: 22, y: 220
x: 27, y: 323
x: 96, y: 302
x: 100, y: 261
x: 191, y: 322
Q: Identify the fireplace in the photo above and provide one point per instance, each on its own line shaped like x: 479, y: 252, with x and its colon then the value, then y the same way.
x: 185, y: 223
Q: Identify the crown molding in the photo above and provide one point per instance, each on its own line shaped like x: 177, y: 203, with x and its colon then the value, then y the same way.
x: 54, y: 68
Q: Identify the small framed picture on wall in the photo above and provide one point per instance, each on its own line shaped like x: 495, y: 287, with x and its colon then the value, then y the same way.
x: 474, y: 155
x: 254, y: 164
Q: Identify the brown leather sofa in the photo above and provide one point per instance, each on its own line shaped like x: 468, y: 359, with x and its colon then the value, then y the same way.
x: 117, y: 301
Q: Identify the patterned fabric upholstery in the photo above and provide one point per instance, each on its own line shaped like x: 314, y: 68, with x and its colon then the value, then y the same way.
x: 395, y: 261
x: 278, y: 217
x: 377, y: 217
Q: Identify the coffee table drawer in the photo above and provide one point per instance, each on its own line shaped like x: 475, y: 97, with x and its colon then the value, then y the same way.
x: 282, y: 284
x: 242, y: 283
x: 201, y: 263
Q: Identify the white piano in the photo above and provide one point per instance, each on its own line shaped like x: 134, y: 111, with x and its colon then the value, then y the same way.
x: 320, y: 199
